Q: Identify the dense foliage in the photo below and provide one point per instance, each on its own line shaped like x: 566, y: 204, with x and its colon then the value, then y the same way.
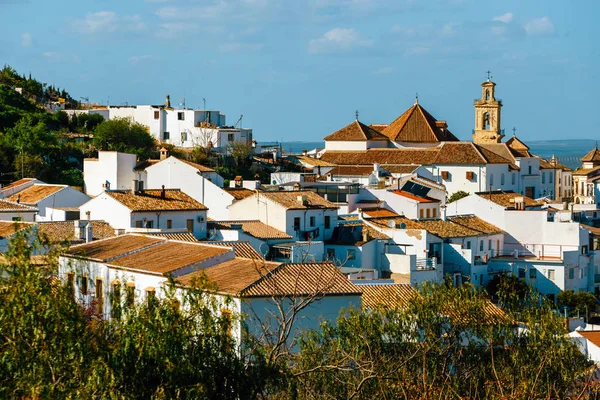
x: 444, y: 344
x: 457, y: 196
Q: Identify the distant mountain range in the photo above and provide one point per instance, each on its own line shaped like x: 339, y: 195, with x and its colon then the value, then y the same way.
x: 567, y: 151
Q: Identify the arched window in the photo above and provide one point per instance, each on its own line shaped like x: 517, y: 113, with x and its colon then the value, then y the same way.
x: 486, y: 121
x: 502, y: 179
x: 487, y: 94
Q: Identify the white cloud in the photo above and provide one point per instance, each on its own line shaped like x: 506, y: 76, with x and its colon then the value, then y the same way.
x: 26, y: 39
x: 505, y: 18
x: 108, y: 21
x: 448, y: 30
x: 418, y: 51
x: 336, y: 40
x: 539, y: 26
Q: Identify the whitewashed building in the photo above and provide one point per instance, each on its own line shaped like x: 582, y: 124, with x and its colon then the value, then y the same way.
x: 416, y: 138
x: 10, y: 211
x: 45, y: 196
x: 586, y: 180
x: 183, y: 127
x: 304, y: 215
x: 163, y: 209
x: 111, y: 274
x: 550, y: 253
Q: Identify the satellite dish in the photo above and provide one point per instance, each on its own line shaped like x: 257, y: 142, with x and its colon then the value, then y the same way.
x: 403, y: 226
x: 392, y: 224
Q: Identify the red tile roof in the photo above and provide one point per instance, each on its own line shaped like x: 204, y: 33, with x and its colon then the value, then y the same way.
x: 592, y: 156
x: 253, y: 228
x: 355, y: 131
x: 592, y: 336
x: 36, y: 193
x: 9, y: 206
x: 152, y: 200
x: 417, y: 125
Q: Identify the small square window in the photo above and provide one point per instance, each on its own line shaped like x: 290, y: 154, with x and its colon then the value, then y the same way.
x: 327, y: 222
x: 532, y: 273
x: 156, y: 114
x: 551, y: 274
x: 169, y: 224
x: 312, y: 221
x: 166, y: 136
x: 181, y: 116
x: 571, y: 273
x: 330, y: 254
x: 522, y: 273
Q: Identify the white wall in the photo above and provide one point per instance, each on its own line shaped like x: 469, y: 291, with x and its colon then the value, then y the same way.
x: 339, y: 145
x: 112, y: 167
x: 67, y: 197
x: 104, y: 207
x: 178, y: 220
x: 26, y: 216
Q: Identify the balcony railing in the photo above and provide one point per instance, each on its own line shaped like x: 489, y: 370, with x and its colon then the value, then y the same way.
x: 425, y: 263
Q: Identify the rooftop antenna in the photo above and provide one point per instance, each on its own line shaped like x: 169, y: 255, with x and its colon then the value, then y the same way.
x: 356, y: 114
x: 204, y: 100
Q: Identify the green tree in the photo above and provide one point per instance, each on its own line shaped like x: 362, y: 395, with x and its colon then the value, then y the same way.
x: 577, y: 302
x: 121, y: 134
x: 445, y: 343
x: 457, y: 196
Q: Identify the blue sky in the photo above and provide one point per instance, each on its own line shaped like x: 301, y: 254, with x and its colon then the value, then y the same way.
x: 297, y: 70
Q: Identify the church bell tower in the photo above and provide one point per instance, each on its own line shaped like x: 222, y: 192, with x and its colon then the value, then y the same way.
x: 487, y: 115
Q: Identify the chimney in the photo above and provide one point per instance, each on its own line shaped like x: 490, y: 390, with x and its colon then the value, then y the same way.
x: 168, y: 102
x: 88, y: 233
x: 88, y: 214
x: 134, y: 185
x: 304, y: 152
x: 164, y: 153
x: 365, y: 235
x: 443, y: 212
x: 78, y: 231
x: 162, y: 192
x: 297, y: 186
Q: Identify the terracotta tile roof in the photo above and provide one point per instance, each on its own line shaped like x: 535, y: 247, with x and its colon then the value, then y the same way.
x: 181, y: 236
x: 476, y: 224
x: 501, y: 149
x: 399, y: 169
x: 592, y: 336
x: 36, y: 193
x: 442, y: 229
x: 378, y: 127
x: 151, y: 200
x: 518, y: 148
x: 107, y: 249
x: 375, y: 201
x: 301, y: 279
x: 201, y: 168
x: 496, y: 158
x: 67, y: 208
x: 397, y: 222
x: 586, y: 171
x: 242, y: 249
x: 355, y: 131
x: 253, y: 228
x: 168, y: 257
x: 232, y: 276
x: 10, y: 206
x: 352, y: 170
x: 314, y: 162
x: 414, y: 156
x: 17, y: 183
x: 592, y: 156
x: 8, y: 228
x: 593, y: 230
x: 417, y: 125
x: 239, y: 193
x: 377, y: 213
x: 388, y: 296
x: 63, y: 231
x: 418, y: 199
x: 549, y: 164
x: 507, y: 199
x: 142, y: 165
x: 447, y: 229
x: 289, y: 200
x: 400, y: 296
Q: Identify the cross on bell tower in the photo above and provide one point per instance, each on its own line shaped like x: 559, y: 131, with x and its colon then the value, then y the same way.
x: 487, y: 115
